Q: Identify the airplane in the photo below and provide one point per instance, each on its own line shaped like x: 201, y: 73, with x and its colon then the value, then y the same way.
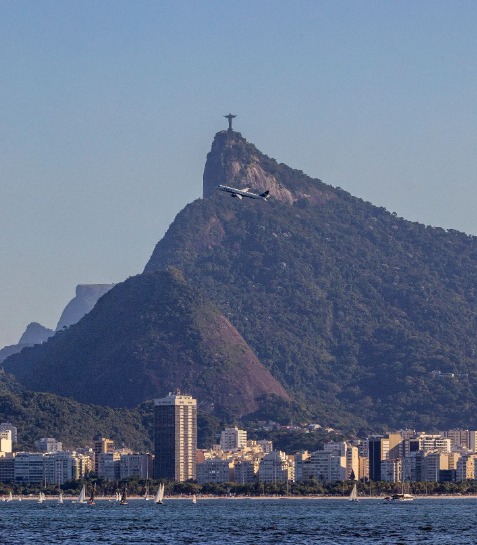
x: 239, y: 193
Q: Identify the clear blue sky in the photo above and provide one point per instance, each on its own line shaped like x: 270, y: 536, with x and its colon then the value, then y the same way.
x: 108, y: 109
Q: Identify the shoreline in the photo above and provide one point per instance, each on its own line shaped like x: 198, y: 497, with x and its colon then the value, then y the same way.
x: 71, y: 499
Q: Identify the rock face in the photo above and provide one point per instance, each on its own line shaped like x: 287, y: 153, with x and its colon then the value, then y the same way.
x: 234, y: 161
x: 35, y: 333
x: 86, y: 297
x: 354, y: 310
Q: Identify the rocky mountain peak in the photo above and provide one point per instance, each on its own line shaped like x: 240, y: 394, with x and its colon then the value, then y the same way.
x: 86, y: 297
x: 35, y: 333
x: 235, y: 162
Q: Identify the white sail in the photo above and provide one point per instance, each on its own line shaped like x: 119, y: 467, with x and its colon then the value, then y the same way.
x: 159, y: 494
x: 10, y: 497
x: 194, y: 499
x: 354, y: 494
x: 123, y: 498
x: 60, y: 498
x: 82, y: 495
x: 41, y: 497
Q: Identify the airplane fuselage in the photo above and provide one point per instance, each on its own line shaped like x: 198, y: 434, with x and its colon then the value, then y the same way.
x: 239, y: 193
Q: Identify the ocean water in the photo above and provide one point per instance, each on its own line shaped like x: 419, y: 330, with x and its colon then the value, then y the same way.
x: 251, y: 522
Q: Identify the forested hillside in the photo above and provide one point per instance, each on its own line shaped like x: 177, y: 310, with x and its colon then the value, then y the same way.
x: 146, y: 337
x: 313, y: 305
x: 353, y: 309
x: 39, y: 415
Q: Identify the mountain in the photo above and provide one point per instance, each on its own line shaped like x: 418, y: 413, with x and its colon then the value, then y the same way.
x: 355, y: 311
x: 86, y: 297
x: 145, y: 337
x: 35, y: 333
x: 366, y: 320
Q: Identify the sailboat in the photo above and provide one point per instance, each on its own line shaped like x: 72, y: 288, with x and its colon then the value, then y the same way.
x: 146, y: 494
x: 10, y: 496
x: 82, y: 495
x: 91, y: 498
x: 123, y: 498
x: 354, y: 494
x: 159, y: 494
x: 41, y: 497
x: 60, y: 497
x: 194, y: 499
x: 402, y: 496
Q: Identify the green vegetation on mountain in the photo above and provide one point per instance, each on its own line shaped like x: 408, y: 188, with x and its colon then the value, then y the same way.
x: 353, y: 309
x: 146, y: 337
x: 365, y: 319
x: 39, y: 415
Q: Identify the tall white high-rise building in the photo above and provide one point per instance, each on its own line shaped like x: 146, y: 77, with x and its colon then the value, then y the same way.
x: 233, y: 439
x: 175, y: 437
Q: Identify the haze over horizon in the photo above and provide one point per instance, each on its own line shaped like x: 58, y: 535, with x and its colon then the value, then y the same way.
x: 110, y: 108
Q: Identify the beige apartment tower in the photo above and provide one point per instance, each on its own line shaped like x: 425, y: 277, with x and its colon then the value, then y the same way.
x: 175, y: 437
x: 101, y: 445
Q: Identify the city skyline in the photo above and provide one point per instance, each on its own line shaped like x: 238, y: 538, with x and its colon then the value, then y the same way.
x: 405, y: 456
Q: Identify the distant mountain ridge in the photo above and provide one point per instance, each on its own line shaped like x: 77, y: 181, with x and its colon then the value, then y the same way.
x: 86, y: 297
x: 35, y: 333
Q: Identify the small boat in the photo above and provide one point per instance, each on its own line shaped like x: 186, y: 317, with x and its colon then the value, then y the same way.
x: 82, y: 495
x: 159, y: 494
x: 60, y: 497
x: 194, y: 499
x: 41, y: 497
x: 402, y: 497
x: 354, y: 494
x: 10, y: 496
x: 91, y: 498
x: 123, y: 498
x: 146, y: 494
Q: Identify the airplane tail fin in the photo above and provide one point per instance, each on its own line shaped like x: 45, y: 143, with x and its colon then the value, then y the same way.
x: 265, y: 195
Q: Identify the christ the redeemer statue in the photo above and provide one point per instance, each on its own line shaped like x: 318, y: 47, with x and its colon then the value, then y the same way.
x: 230, y: 117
